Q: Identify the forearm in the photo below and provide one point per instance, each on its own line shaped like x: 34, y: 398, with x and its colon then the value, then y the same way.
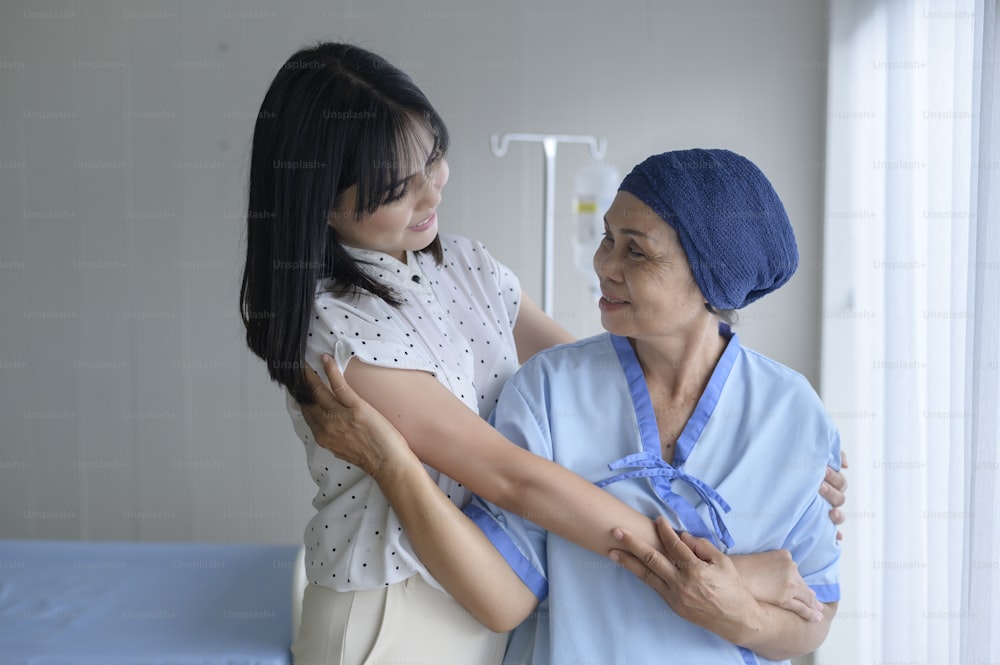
x: 557, y: 500
x: 535, y: 331
x: 778, y: 634
x: 773, y: 577
x: 453, y: 439
x: 454, y: 549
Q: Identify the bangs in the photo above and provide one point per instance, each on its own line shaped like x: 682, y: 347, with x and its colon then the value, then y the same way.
x: 391, y: 150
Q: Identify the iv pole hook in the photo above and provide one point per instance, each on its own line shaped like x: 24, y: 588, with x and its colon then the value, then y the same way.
x: 550, y: 142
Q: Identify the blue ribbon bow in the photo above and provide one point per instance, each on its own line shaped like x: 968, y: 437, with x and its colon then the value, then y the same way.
x: 662, y: 475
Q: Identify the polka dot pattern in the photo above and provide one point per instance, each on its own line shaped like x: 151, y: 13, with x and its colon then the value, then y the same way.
x: 457, y: 324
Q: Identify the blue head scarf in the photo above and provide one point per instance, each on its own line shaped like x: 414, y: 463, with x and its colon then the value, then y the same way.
x: 732, y: 225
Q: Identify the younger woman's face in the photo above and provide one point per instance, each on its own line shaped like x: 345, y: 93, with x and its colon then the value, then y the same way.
x: 408, y: 223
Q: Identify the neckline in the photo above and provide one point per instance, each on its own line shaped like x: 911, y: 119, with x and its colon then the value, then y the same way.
x: 643, y: 406
x: 389, y: 270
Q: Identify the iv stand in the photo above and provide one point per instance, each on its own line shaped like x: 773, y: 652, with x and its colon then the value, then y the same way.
x: 498, y: 146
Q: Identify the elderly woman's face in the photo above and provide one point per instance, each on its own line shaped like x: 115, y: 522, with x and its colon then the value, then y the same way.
x: 647, y: 288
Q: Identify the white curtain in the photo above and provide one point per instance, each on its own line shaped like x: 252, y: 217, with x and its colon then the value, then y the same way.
x: 911, y: 277
x: 981, y: 597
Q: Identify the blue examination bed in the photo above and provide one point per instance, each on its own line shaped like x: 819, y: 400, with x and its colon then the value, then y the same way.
x: 131, y: 603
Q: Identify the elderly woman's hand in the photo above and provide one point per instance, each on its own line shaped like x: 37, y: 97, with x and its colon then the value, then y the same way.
x: 695, y: 579
x: 350, y: 427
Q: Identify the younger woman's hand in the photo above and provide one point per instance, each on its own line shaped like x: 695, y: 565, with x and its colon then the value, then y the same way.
x: 773, y: 577
x: 834, y: 490
x: 349, y: 427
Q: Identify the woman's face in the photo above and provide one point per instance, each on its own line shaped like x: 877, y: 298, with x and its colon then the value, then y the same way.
x: 408, y: 223
x: 647, y: 288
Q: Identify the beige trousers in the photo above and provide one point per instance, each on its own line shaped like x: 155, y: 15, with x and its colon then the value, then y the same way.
x: 409, y: 623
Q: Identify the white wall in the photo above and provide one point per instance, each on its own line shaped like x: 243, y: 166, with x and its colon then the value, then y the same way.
x: 130, y: 406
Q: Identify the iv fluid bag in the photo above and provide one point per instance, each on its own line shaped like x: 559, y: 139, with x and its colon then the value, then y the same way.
x: 594, y: 189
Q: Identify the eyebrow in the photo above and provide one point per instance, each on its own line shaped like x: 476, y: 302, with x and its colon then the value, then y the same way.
x: 635, y: 233
x: 434, y: 155
x: 402, y: 181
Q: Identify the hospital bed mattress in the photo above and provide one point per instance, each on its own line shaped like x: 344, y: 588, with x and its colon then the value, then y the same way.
x: 130, y: 603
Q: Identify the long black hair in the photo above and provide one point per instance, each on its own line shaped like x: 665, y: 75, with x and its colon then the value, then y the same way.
x: 335, y: 115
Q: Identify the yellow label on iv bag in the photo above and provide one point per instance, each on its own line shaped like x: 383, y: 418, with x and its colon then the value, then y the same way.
x: 586, y: 207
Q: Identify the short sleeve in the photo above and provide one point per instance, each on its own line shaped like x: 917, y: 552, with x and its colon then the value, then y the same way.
x: 812, y: 541
x: 508, y: 285
x: 510, y: 288
x: 521, y: 542
x: 364, y: 328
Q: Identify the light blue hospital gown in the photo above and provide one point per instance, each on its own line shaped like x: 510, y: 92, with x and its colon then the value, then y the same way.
x: 745, y: 475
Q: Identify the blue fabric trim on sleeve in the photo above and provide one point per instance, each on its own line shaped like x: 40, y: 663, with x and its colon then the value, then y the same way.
x: 749, y: 657
x: 826, y: 593
x: 509, y: 551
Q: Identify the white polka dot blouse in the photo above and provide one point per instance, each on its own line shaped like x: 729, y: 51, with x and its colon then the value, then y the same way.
x: 456, y: 322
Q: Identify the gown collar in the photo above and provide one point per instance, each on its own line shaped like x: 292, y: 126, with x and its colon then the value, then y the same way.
x: 650, y: 464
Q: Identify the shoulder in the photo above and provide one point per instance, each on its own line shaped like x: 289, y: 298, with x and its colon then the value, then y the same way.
x: 467, y: 254
x: 781, y: 390
x: 571, y: 360
x: 334, y: 307
x: 599, y: 343
x: 461, y: 248
x: 469, y: 266
x: 777, y: 377
x: 357, y: 319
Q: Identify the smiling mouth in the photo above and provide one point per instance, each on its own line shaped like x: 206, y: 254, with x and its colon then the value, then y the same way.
x: 613, y: 301
x: 424, y: 224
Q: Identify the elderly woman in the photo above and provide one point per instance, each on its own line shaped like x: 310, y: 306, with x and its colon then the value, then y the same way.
x: 670, y: 414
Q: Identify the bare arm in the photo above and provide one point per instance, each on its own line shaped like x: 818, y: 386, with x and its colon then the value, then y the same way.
x: 535, y: 330
x: 453, y: 439
x: 455, y: 550
x: 772, y: 577
x: 465, y: 447
x: 452, y: 547
x: 700, y: 584
x: 494, y: 468
x: 444, y: 433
